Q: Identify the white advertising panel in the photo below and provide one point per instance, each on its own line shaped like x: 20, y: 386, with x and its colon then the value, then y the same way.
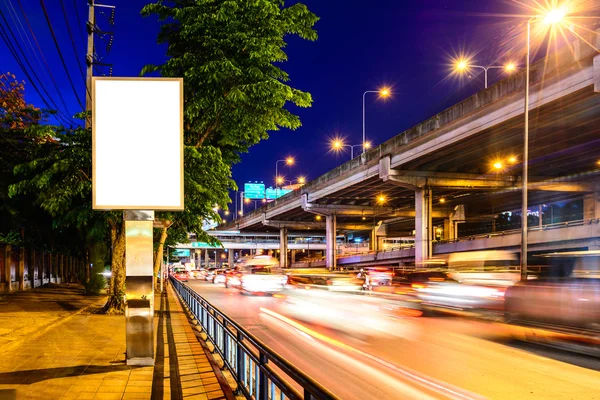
x: 137, y: 143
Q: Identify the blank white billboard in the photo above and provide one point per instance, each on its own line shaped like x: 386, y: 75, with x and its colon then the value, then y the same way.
x: 137, y: 143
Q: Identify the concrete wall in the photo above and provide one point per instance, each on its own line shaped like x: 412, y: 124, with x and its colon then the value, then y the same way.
x: 25, y: 268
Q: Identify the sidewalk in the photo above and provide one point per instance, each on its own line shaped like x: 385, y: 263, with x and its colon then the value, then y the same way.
x: 81, y: 355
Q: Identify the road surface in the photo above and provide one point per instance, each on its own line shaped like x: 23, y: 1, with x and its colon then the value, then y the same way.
x: 361, y: 347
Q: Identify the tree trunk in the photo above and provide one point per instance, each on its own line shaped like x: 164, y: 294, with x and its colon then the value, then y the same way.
x: 116, y: 287
x: 159, y: 256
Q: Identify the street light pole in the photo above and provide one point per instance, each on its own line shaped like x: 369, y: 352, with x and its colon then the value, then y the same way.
x: 525, y: 159
x: 364, y: 137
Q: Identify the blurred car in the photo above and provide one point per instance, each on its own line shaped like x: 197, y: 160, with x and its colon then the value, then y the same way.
x: 210, y: 274
x: 181, y: 275
x: 220, y: 276
x: 233, y: 278
x: 380, y: 276
x: 451, y: 294
x: 559, y: 303
x: 257, y: 274
x: 344, y: 283
x: 196, y: 273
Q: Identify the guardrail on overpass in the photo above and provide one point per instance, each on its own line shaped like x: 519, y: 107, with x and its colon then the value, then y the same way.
x: 569, y: 234
x: 247, y: 358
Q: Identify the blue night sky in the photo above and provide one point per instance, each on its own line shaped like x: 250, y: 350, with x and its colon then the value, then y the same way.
x: 362, y: 46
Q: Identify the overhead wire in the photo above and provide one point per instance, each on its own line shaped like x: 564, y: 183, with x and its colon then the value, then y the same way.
x: 62, y: 59
x: 77, y: 15
x: 41, y: 53
x: 4, y: 35
x: 64, y: 11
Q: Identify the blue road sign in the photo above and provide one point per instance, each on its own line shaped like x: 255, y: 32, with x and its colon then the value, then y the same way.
x: 254, y: 191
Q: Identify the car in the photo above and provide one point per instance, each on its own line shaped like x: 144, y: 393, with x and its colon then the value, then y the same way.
x: 220, y: 276
x: 181, y: 275
x: 561, y: 303
x: 208, y: 274
x: 233, y: 278
x: 257, y: 274
x: 197, y: 273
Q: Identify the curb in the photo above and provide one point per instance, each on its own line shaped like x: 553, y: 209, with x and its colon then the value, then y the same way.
x: 45, y: 328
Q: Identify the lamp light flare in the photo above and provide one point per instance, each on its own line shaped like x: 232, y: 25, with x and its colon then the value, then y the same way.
x: 318, y: 217
x: 367, y: 145
x: 555, y: 16
x: 385, y: 92
x: 510, y: 67
x: 246, y: 201
x: 337, y: 144
x: 512, y: 159
x: 381, y: 199
x: 461, y: 65
x: 498, y: 165
x: 301, y: 180
x: 442, y: 200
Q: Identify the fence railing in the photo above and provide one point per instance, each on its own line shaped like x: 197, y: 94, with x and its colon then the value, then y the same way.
x: 248, y: 359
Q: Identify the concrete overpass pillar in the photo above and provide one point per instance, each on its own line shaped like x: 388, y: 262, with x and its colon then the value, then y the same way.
x: 591, y: 206
x: 374, y: 247
x: 283, y: 247
x: 422, y: 226
x: 451, y: 224
x: 292, y: 256
x: 206, y: 258
x: 330, y: 242
x: 230, y: 257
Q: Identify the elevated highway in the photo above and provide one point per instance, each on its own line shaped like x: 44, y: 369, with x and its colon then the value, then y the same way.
x: 438, y: 176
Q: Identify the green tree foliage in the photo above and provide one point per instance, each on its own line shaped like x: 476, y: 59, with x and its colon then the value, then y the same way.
x: 235, y: 93
x: 227, y: 51
x: 22, y: 133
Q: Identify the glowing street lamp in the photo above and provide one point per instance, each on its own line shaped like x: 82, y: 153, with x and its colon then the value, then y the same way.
x: 463, y: 65
x: 288, y: 161
x: 338, y: 144
x: 301, y: 180
x: 549, y: 17
x: 381, y: 199
x: 383, y: 92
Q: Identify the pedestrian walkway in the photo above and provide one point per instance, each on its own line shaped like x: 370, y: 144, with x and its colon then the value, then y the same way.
x: 81, y: 355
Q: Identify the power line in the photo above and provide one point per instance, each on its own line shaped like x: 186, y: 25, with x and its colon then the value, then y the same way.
x: 58, y: 91
x: 77, y: 12
x: 13, y: 51
x: 62, y: 5
x: 60, y: 52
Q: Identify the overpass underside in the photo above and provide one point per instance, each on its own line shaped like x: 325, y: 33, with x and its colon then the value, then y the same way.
x: 463, y: 168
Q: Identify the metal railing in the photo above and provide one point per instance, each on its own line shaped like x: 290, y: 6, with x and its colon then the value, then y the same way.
x: 247, y: 358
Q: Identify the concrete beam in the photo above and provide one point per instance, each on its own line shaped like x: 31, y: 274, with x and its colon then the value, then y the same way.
x: 442, y: 180
x: 317, y: 225
x: 363, y: 211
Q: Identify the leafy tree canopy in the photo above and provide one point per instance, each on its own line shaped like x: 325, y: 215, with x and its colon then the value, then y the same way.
x: 227, y: 51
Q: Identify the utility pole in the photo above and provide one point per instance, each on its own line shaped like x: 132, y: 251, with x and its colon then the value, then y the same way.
x: 89, y: 60
x: 90, y: 57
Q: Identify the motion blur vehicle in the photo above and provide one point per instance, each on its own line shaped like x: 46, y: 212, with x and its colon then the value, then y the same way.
x: 207, y: 272
x: 196, y: 273
x: 220, y: 276
x: 437, y: 290
x: 489, y: 267
x: 258, y: 274
x: 181, y: 275
x: 380, y: 276
x: 560, y: 303
x: 210, y: 275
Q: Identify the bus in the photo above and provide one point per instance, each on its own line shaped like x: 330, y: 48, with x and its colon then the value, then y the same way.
x: 398, y: 243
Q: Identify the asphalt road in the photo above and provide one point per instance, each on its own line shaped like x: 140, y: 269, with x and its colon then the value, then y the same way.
x: 363, y: 347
